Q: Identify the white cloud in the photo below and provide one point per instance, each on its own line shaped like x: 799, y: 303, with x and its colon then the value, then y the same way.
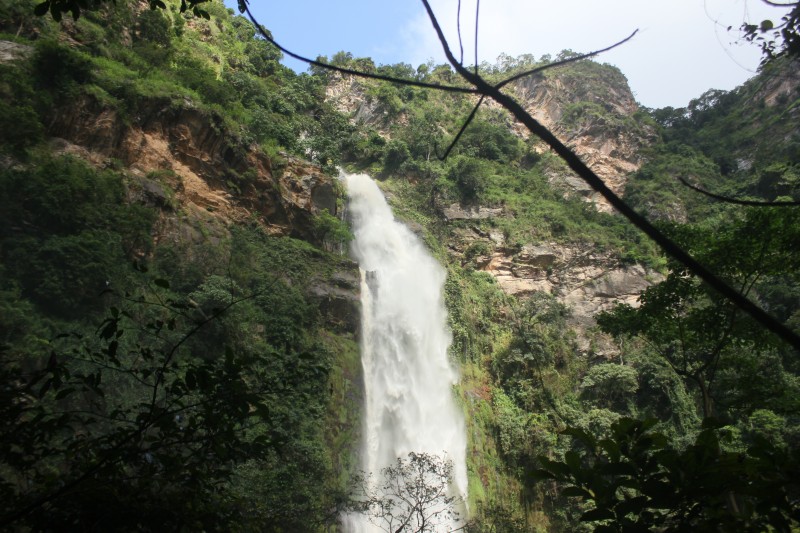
x: 679, y: 53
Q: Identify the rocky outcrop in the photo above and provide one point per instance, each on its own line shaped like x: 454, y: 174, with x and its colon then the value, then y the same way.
x: 470, y: 212
x: 595, y: 118
x: 10, y: 51
x: 181, y: 161
x: 339, y: 298
x: 586, y: 280
x: 212, y: 173
x: 348, y: 96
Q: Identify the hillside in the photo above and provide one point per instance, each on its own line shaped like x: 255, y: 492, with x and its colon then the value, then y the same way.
x: 180, y: 319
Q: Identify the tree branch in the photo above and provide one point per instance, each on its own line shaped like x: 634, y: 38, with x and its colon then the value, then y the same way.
x: 597, y: 184
x: 727, y: 199
x: 267, y: 37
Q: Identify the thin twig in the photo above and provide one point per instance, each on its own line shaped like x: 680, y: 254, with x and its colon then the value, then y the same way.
x: 458, y: 28
x: 477, y: 18
x: 461, y: 131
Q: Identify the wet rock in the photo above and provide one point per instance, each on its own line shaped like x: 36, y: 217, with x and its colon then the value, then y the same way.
x: 458, y: 212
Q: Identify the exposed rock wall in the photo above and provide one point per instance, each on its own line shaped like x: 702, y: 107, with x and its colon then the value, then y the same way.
x: 215, y: 174
x: 586, y: 280
x: 607, y: 143
x: 181, y: 161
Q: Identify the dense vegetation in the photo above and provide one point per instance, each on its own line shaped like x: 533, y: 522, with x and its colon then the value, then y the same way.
x: 154, y: 377
x: 184, y: 379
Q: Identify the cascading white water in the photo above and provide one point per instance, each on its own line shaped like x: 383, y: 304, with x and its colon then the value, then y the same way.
x: 410, y: 406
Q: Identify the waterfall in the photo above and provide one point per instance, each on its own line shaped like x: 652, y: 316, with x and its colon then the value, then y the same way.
x: 410, y: 405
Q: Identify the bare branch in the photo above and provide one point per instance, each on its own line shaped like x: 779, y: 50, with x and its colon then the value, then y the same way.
x: 565, y: 61
x: 728, y: 199
x: 462, y: 130
x: 267, y: 37
x: 780, y: 4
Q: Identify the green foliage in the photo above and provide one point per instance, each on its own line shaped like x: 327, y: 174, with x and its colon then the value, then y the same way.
x: 492, y: 141
x: 469, y: 176
x: 68, y: 231
x: 610, y: 385
x: 58, y: 66
x: 20, y: 125
x: 695, y: 330
x: 331, y: 231
x: 394, y: 155
x: 633, y: 481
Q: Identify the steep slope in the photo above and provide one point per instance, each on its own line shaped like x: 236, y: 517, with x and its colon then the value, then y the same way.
x: 122, y: 145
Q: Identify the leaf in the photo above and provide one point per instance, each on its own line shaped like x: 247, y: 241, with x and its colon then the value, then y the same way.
x: 597, y: 514
x: 582, y: 435
x: 41, y: 9
x: 191, y: 380
x: 573, y: 460
x: 611, y: 448
x: 632, y: 505
x: 540, y: 475
x: 577, y: 492
x: 45, y: 387
x: 63, y: 393
x: 110, y: 329
x: 160, y: 282
x: 556, y: 467
x: 617, y: 469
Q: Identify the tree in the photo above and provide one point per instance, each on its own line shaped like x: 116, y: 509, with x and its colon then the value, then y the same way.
x: 166, y: 415
x: 695, y: 330
x: 414, y: 495
x: 634, y: 481
x: 781, y: 39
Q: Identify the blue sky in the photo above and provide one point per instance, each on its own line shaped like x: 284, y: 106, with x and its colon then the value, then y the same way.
x: 683, y: 47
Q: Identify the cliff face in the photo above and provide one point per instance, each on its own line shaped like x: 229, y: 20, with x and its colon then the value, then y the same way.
x: 211, y: 174
x: 182, y: 162
x: 592, y: 110
x: 580, y: 276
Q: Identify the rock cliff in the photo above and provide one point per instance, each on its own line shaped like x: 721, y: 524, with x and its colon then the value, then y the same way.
x: 180, y: 160
x: 583, y: 278
x: 590, y: 108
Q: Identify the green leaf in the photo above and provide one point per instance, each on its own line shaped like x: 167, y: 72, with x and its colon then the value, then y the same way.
x: 617, y: 469
x: 582, y: 435
x: 573, y: 460
x: 611, y: 448
x: 191, y: 380
x: 576, y: 492
x: 109, y: 330
x: 63, y: 393
x: 597, y: 514
x: 159, y: 281
x: 632, y: 505
x: 41, y: 9
x: 540, y: 475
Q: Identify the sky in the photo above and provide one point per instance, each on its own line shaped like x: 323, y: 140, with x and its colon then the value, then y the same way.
x: 682, y: 49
